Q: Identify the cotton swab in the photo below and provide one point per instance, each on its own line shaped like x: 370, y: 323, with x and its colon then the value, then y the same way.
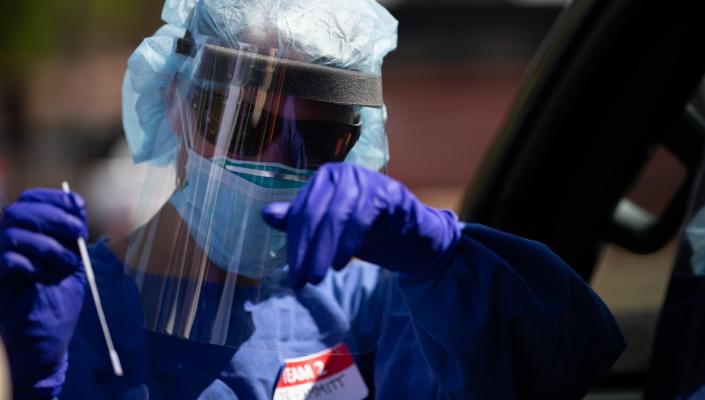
x: 90, y: 277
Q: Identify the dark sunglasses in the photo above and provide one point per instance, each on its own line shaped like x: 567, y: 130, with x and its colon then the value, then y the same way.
x: 303, y: 144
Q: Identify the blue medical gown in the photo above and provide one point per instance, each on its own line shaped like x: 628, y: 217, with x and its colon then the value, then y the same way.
x: 507, y: 319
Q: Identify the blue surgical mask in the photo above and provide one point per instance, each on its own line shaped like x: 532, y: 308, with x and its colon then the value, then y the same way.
x: 221, y: 202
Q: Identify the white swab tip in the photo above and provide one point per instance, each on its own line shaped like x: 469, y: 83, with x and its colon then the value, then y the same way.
x: 115, y: 360
x: 65, y: 186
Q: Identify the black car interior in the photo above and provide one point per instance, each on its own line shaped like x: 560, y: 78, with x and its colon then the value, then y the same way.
x: 611, y: 83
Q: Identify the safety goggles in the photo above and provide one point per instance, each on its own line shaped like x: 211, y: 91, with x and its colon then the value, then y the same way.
x: 281, y: 136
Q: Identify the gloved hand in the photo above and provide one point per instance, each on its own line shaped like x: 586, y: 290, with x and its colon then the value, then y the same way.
x: 347, y: 211
x: 41, y: 287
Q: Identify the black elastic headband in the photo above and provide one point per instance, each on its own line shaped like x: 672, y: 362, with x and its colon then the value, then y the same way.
x: 219, y: 65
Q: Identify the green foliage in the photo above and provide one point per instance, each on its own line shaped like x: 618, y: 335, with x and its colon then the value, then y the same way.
x: 27, y: 28
x: 33, y: 29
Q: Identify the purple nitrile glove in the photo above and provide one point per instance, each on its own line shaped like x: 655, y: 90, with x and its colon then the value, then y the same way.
x: 41, y: 287
x: 347, y: 211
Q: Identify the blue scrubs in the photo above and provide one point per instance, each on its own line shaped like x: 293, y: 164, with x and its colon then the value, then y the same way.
x: 508, y: 319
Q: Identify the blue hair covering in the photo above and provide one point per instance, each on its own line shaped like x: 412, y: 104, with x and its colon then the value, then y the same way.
x: 348, y: 34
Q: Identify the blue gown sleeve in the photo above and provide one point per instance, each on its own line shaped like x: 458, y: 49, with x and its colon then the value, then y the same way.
x: 509, y: 319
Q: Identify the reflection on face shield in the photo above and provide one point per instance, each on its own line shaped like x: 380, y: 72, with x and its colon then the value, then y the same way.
x: 252, y: 107
x: 253, y: 129
x: 249, y: 143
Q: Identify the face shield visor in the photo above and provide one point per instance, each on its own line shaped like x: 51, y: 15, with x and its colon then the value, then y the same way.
x: 252, y: 129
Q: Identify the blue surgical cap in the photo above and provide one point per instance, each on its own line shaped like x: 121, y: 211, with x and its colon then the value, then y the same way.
x: 348, y: 34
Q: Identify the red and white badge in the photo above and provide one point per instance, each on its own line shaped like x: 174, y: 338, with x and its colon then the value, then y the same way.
x: 329, y: 374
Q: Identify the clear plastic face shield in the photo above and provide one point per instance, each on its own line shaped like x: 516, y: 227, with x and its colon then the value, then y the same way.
x: 252, y: 130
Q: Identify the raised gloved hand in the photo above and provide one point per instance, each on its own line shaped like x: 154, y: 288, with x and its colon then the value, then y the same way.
x: 347, y: 211
x: 41, y: 287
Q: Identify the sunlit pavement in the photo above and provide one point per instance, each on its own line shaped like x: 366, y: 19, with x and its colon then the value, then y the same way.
x: 634, y: 287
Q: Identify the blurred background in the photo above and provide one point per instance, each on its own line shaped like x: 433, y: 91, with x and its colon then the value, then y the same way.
x: 447, y: 87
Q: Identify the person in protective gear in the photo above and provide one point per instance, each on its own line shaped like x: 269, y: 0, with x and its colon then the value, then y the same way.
x: 283, y: 263
x: 41, y: 288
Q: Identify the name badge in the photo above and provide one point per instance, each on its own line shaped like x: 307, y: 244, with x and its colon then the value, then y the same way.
x: 329, y: 374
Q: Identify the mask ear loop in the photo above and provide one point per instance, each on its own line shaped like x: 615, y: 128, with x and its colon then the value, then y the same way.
x: 176, y: 101
x: 181, y: 159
